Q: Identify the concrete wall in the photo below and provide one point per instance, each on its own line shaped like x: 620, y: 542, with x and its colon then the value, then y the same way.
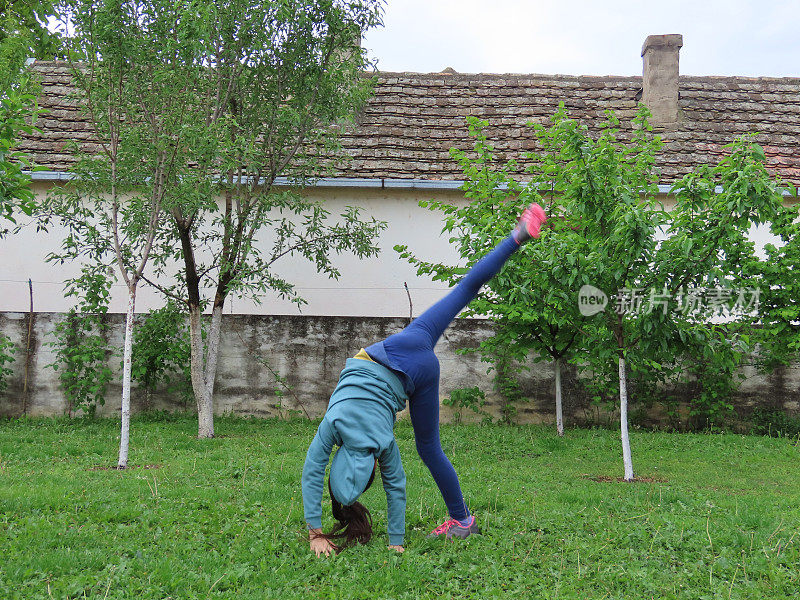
x: 309, y: 352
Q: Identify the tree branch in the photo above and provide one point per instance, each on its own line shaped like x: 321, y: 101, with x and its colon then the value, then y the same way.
x: 302, y: 243
x: 166, y: 291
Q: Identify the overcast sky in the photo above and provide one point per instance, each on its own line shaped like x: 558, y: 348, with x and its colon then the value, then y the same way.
x: 587, y: 37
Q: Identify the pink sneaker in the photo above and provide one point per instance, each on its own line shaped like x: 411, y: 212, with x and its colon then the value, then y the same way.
x: 452, y: 528
x: 530, y: 223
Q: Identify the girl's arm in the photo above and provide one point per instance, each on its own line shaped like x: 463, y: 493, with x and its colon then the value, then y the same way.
x: 313, y: 479
x: 394, y: 484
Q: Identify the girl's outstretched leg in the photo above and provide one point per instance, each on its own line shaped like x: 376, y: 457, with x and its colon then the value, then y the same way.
x: 436, y: 319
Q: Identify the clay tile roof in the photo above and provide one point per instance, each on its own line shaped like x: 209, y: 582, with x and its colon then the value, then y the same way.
x: 409, y: 125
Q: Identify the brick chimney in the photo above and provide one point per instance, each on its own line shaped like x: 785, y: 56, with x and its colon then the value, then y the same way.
x: 660, y: 77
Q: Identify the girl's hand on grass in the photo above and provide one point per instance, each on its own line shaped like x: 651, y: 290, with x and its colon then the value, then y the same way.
x: 319, y: 544
x: 398, y: 548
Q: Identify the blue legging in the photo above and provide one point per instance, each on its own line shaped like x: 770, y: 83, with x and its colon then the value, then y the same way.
x: 411, y: 353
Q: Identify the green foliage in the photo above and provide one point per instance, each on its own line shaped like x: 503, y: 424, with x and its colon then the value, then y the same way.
x: 113, y: 206
x: 777, y: 332
x: 531, y: 302
x: 7, y: 350
x: 715, y: 365
x: 606, y: 186
x: 81, y: 349
x: 24, y: 34
x: 461, y: 399
x: 268, y: 87
x: 223, y: 518
x: 506, y: 382
x: 161, y: 353
x: 283, y: 389
x: 708, y: 245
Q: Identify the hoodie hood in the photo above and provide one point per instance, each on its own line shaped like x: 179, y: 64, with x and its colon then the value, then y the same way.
x: 350, y: 473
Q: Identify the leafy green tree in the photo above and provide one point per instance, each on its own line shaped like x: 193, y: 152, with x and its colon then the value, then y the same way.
x: 531, y: 301
x: 283, y: 79
x: 619, y: 226
x: 114, y: 207
x: 223, y: 98
x: 610, y: 219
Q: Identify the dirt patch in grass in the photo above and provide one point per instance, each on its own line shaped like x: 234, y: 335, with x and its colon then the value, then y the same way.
x: 116, y: 468
x: 607, y: 479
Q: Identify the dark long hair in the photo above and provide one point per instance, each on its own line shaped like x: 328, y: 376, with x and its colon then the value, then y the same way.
x: 354, y: 524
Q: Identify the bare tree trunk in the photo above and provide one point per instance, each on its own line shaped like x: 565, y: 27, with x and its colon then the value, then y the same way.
x: 127, y: 354
x: 203, y: 393
x: 206, y: 418
x: 213, y: 349
x: 205, y: 408
x: 559, y: 413
x: 623, y: 421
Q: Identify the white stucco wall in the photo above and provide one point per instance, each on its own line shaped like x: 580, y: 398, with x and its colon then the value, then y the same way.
x: 369, y: 288
x: 372, y: 287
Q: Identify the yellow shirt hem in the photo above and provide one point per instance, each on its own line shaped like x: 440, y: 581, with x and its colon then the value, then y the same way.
x: 362, y: 354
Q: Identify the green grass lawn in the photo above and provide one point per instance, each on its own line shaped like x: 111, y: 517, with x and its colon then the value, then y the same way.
x: 223, y: 518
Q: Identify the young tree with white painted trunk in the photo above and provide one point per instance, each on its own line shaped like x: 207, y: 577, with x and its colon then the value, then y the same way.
x: 644, y: 258
x: 610, y: 219
x: 114, y: 206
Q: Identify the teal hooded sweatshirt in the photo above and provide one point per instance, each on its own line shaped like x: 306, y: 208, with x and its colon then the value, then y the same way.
x: 360, y: 420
